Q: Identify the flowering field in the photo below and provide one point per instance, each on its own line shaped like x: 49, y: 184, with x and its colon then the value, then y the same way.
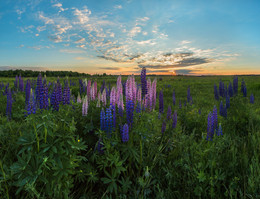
x: 130, y: 137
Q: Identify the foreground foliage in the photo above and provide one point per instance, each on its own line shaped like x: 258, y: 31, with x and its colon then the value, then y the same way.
x: 62, y: 154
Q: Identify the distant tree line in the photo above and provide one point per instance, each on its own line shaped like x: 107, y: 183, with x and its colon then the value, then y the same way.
x: 30, y: 73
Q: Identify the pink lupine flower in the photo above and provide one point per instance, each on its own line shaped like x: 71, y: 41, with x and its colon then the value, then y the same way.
x: 154, y: 92
x: 85, y: 106
x: 113, y: 96
x: 104, y: 97
x: 79, y: 98
x: 88, y: 88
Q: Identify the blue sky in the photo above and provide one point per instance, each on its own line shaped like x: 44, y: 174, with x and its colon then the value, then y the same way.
x: 120, y: 37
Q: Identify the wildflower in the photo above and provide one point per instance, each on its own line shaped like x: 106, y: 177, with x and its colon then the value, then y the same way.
x: 31, y: 104
x: 235, y: 84
x: 230, y: 90
x: 102, y: 120
x: 125, y: 133
x: 188, y: 95
x: 129, y: 112
x: 55, y: 98
x: 79, y: 98
x: 9, y: 104
x: 210, y: 128
x: 174, y: 119
x: 163, y: 127
x: 173, y: 97
x: 169, y: 113
x: 143, y: 82
x: 227, y: 101
x: 27, y: 90
x: 161, y: 102
x: 252, y: 99
x: 219, y: 131
x: 109, y: 122
x: 85, y: 106
x: 216, y: 92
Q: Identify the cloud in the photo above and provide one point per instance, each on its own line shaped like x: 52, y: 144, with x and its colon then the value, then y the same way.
x: 55, y: 38
x: 134, y: 31
x: 185, y: 42
x: 46, y: 20
x: 118, y: 6
x: 71, y: 51
x: 79, y: 58
x: 82, y: 15
x: 81, y: 46
x: 143, y: 19
x: 80, y: 40
x: 109, y: 68
x: 150, y: 42
x: 59, y: 5
x: 183, y: 63
x: 109, y: 58
x: 184, y: 72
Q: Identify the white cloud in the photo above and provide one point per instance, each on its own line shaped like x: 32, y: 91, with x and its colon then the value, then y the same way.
x: 59, y: 5
x: 41, y: 28
x: 37, y: 35
x: 82, y: 15
x: 185, y: 42
x: 145, y: 33
x: 150, y: 42
x: 46, y: 20
x: 71, y: 51
x: 143, y: 19
x: 118, y: 6
x: 80, y: 40
x: 134, y: 31
x: 81, y: 46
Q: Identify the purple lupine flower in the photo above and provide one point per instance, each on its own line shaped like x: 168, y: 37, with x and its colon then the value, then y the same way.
x: 45, y: 96
x: 219, y: 131
x: 114, y: 117
x: 161, y: 107
x: 221, y: 89
x: 38, y: 90
x: 16, y: 82
x: 188, y: 95
x: 243, y: 88
x: 221, y: 108
x: 173, y: 97
x: 6, y: 88
x: 138, y: 107
x: 100, y: 146
x: 210, y: 128
x: 227, y: 101
x: 109, y: 122
x: 125, y: 133
x: 21, y: 85
x: 143, y: 82
x: 129, y: 112
x: 31, y: 104
x: 163, y: 127
x: 216, y: 92
x: 252, y: 99
x: 55, y: 98
x: 66, y: 94
x: 169, y: 113
x: 235, y: 84
x: 174, y: 119
x: 102, y: 120
x: 102, y: 86
x: 230, y: 90
x: 215, y: 118
x: 27, y: 90
x: 154, y: 92
x: 9, y: 104
x: 200, y: 111
x: 180, y: 106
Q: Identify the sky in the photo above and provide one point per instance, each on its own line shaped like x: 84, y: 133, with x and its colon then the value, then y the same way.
x: 191, y: 37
